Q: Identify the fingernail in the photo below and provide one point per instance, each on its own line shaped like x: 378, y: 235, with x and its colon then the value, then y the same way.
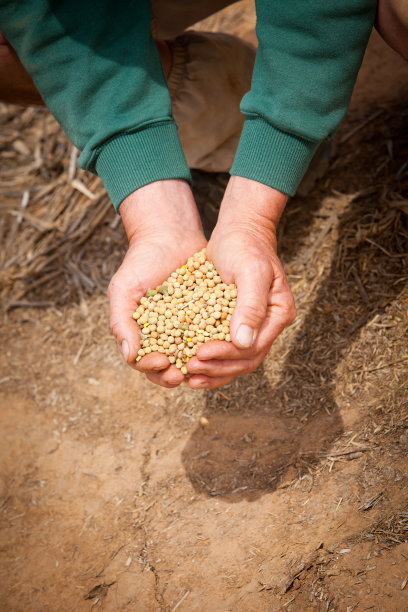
x: 125, y: 350
x: 245, y: 336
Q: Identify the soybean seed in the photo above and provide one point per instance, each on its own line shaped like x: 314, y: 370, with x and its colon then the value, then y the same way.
x: 191, y: 307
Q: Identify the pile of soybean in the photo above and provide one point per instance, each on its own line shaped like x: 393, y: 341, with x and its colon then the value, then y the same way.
x: 191, y: 307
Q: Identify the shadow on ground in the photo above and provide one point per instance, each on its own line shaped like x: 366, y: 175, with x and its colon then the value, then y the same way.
x: 260, y: 436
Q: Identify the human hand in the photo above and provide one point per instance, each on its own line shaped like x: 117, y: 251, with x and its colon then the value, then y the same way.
x: 164, y: 230
x: 243, y: 249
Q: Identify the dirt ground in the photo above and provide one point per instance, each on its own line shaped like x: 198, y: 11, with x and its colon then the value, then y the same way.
x: 295, y: 496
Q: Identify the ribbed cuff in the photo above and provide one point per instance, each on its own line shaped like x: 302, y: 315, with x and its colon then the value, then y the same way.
x: 269, y: 156
x: 131, y: 160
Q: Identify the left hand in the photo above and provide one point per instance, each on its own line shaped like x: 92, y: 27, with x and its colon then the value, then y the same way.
x: 243, y: 249
x: 164, y: 229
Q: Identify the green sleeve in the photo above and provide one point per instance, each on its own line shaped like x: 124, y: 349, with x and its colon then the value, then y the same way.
x: 306, y: 65
x: 98, y: 70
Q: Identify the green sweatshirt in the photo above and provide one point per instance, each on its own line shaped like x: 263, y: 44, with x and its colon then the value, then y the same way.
x: 99, y: 72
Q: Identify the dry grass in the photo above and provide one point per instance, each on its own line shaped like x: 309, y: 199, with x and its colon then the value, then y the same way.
x: 391, y: 530
x: 50, y: 211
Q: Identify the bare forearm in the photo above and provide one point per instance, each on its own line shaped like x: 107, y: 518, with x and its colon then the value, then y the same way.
x: 160, y: 207
x: 250, y: 202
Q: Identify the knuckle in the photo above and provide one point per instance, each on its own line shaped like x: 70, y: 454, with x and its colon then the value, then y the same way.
x: 114, y: 326
x: 254, y: 312
x: 126, y: 281
x: 113, y: 286
x: 249, y: 367
x: 289, y: 311
x: 154, y: 378
x: 292, y: 313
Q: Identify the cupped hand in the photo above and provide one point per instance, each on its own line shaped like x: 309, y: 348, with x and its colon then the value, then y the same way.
x: 164, y: 230
x: 243, y: 249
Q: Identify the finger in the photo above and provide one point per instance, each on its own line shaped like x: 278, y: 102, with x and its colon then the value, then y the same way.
x: 281, y: 311
x: 200, y: 381
x: 278, y: 316
x: 219, y: 349
x: 253, y: 282
x: 123, y: 326
x: 154, y: 362
x: 226, y: 350
x: 221, y: 368
x: 172, y: 377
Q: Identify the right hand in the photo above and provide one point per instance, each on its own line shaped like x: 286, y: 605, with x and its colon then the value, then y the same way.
x: 244, y: 250
x: 164, y: 229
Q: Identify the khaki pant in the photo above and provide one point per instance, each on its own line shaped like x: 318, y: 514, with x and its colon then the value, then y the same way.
x: 171, y: 17
x: 210, y: 73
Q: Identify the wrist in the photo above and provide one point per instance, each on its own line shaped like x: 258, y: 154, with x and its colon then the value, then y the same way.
x: 249, y: 203
x: 160, y: 207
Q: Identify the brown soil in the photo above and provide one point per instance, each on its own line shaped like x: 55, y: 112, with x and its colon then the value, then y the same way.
x: 295, y: 496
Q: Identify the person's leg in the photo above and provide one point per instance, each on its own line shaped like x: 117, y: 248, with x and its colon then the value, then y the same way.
x: 392, y: 24
x: 207, y: 74
x: 16, y: 85
x: 210, y: 74
x: 170, y: 18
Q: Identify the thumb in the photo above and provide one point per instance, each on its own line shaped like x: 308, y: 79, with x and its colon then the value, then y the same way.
x: 253, y: 285
x: 122, y: 324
